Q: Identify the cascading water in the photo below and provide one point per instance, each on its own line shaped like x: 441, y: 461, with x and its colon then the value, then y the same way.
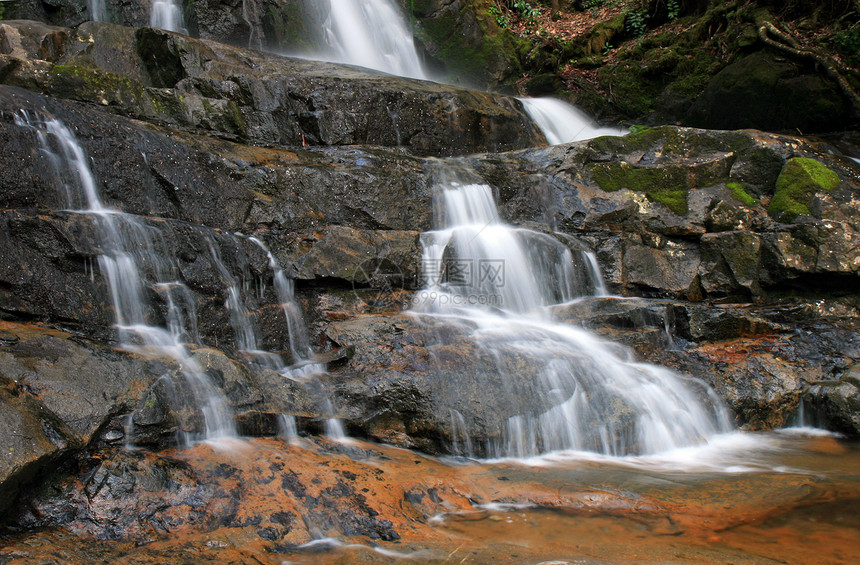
x: 303, y: 364
x: 562, y: 123
x: 127, y: 244
x: 97, y: 10
x: 251, y: 16
x: 591, y: 394
x: 167, y: 14
x: 374, y: 34
x: 371, y: 34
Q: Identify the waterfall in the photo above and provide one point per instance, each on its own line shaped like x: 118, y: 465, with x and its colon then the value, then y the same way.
x: 128, y: 246
x: 97, y: 10
x: 494, y: 281
x: 167, y: 14
x: 251, y: 17
x: 300, y: 348
x: 372, y: 34
x: 562, y: 123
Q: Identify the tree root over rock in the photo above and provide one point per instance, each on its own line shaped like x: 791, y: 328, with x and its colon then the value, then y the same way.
x: 789, y: 46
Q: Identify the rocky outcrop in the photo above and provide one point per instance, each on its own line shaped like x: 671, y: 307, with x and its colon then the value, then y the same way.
x: 745, y: 244
x: 671, y: 212
x: 463, y: 40
x: 768, y: 92
x: 700, y: 214
x: 237, y: 94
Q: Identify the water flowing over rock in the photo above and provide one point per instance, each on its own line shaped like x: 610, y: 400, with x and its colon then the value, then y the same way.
x: 166, y: 14
x: 372, y: 34
x: 249, y: 96
x: 265, y: 246
x: 562, y: 123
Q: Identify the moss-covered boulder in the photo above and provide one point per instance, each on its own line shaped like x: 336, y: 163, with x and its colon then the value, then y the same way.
x: 769, y: 92
x: 798, y: 182
x: 466, y: 41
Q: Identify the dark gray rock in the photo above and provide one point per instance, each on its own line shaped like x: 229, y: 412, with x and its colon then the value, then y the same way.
x: 769, y: 92
x: 240, y: 94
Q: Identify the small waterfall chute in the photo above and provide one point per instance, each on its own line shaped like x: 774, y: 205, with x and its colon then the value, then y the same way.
x: 562, y: 123
x: 97, y: 10
x: 133, y: 258
x: 580, y: 392
x: 167, y: 15
x: 373, y: 34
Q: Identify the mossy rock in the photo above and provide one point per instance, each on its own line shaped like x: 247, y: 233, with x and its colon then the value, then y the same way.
x: 466, y: 37
x: 741, y: 195
x: 286, y: 26
x: 601, y: 35
x: 768, y: 92
x: 666, y: 185
x: 94, y: 85
x: 798, y: 182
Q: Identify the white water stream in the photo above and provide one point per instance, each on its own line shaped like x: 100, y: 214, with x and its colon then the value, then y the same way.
x: 599, y: 398
x: 372, y: 34
x: 562, y: 123
x: 128, y: 246
x: 97, y: 10
x: 167, y: 14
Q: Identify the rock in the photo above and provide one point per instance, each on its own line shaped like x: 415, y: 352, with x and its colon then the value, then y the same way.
x: 663, y: 193
x: 769, y: 92
x: 34, y: 439
x: 464, y: 40
x: 798, y: 181
x: 835, y: 404
x: 239, y: 94
x: 669, y: 267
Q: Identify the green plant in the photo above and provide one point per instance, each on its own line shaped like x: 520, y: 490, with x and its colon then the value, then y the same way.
x: 502, y: 19
x: 528, y: 11
x: 848, y: 41
x: 635, y: 21
x: 673, y: 8
x: 592, y: 4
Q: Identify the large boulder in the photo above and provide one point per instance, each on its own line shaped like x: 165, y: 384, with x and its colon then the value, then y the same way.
x: 239, y: 94
x: 770, y: 92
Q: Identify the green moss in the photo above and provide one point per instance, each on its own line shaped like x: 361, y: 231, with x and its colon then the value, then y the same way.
x: 235, y: 114
x: 94, y: 85
x: 286, y: 27
x: 498, y: 51
x: 798, y: 182
x: 666, y: 185
x: 741, y: 195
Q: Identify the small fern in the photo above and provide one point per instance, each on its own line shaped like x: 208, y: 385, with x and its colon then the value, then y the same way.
x: 673, y: 8
x: 635, y: 21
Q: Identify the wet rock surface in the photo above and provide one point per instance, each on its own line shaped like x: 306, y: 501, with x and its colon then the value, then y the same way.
x: 744, y: 244
x: 245, y: 95
x: 268, y: 501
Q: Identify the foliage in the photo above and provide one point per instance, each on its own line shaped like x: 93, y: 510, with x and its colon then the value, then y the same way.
x: 673, y: 9
x: 502, y: 19
x: 848, y: 42
x: 635, y: 21
x: 528, y: 11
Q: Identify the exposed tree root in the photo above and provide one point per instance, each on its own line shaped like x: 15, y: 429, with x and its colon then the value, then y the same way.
x: 789, y: 46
